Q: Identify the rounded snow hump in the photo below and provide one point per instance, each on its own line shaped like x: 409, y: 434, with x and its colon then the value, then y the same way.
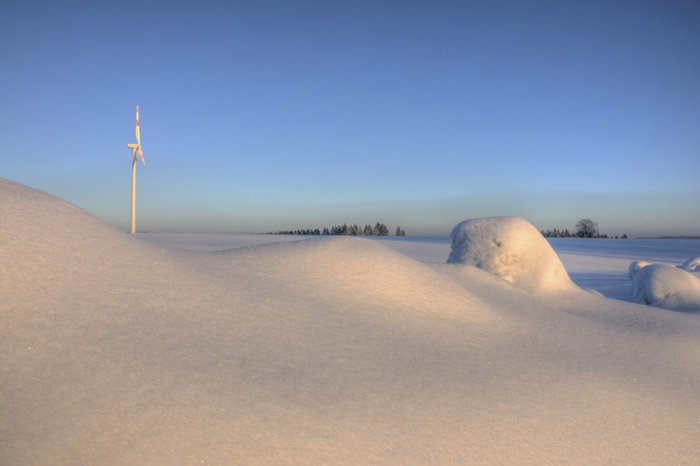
x: 635, y: 267
x: 666, y: 287
x: 510, y: 248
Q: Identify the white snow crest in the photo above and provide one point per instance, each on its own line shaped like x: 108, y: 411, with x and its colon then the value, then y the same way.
x: 510, y: 248
x: 635, y: 266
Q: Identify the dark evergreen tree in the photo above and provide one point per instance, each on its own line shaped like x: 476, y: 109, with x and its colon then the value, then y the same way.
x: 383, y: 230
x: 353, y: 230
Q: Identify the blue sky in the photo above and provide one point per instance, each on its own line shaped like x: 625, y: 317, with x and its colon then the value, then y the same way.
x: 262, y: 115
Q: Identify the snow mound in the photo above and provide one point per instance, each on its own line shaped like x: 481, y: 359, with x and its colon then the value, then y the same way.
x: 50, y: 241
x: 635, y: 266
x: 691, y: 265
x: 330, y: 351
x: 666, y: 287
x: 360, y: 271
x: 510, y: 248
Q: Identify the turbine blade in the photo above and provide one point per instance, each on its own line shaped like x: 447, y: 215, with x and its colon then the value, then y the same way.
x: 141, y: 154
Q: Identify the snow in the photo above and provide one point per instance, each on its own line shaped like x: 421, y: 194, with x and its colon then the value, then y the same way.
x: 670, y: 251
x: 117, y: 350
x: 667, y: 287
x: 635, y: 266
x: 510, y: 248
x: 691, y: 265
x: 213, y: 242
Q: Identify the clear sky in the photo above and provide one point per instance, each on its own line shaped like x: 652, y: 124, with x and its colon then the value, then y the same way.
x: 266, y: 115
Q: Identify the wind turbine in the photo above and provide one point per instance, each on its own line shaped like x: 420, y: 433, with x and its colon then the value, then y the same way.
x: 137, y: 151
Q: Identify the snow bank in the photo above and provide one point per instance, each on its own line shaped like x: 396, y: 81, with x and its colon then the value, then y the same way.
x: 329, y: 351
x: 635, y: 266
x: 511, y: 248
x: 666, y: 287
x: 691, y: 265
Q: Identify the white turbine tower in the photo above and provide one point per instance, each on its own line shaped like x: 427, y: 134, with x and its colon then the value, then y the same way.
x: 137, y: 151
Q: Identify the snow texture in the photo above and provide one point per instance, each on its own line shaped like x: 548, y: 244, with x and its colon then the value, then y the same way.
x: 325, y: 351
x: 667, y: 287
x: 510, y: 248
x: 635, y: 266
x: 691, y: 265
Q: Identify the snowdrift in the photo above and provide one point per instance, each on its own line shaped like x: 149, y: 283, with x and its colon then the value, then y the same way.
x: 691, y: 265
x: 666, y: 287
x: 510, y: 248
x: 340, y: 351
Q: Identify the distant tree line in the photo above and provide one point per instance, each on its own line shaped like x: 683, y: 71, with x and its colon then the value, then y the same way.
x: 586, y: 228
x: 345, y: 230
x: 556, y: 233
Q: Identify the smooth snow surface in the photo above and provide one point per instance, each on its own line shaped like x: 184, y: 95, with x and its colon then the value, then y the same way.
x: 510, y: 248
x: 213, y: 242
x: 666, y: 287
x: 658, y: 251
x: 324, y: 351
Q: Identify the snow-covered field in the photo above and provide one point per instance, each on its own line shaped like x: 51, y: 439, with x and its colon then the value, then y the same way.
x: 596, y: 264
x: 221, y: 349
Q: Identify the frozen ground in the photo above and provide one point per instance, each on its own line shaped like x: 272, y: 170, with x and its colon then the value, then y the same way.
x: 114, y: 350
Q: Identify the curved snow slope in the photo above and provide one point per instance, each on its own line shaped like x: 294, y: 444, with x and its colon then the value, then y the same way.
x: 691, y: 265
x: 341, y: 351
x: 510, y: 248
